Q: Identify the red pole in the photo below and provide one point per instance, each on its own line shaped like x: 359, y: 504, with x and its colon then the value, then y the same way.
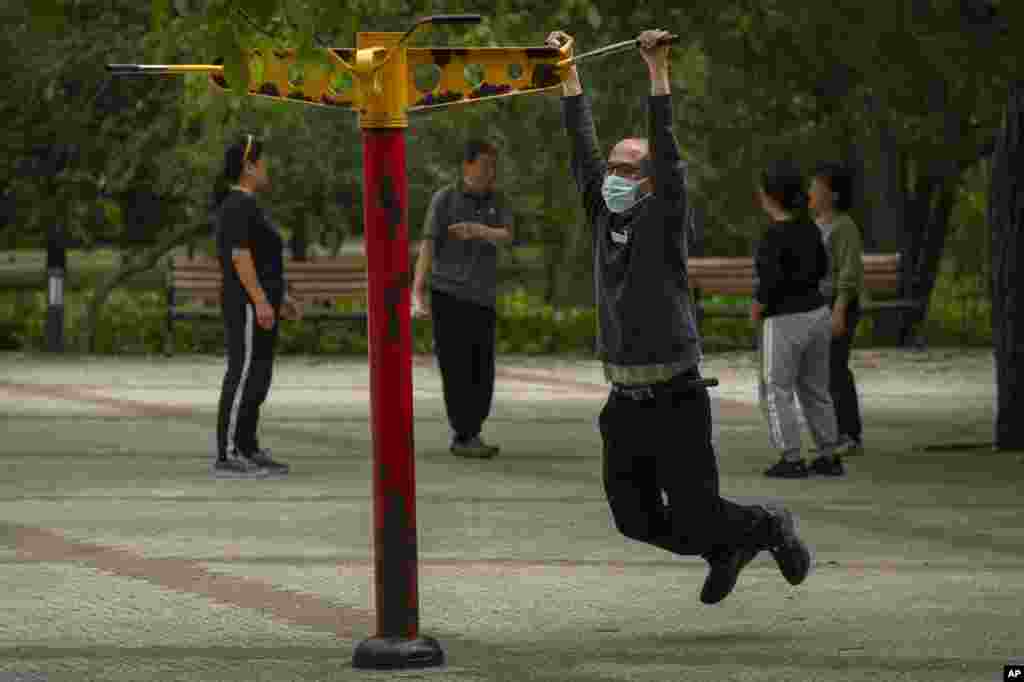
x: 385, y: 192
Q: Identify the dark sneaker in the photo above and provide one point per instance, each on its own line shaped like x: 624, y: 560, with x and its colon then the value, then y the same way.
x: 787, y: 469
x: 723, y: 574
x: 262, y: 458
x: 828, y: 466
x: 853, y: 448
x: 238, y: 467
x: 790, y: 552
x: 474, y: 447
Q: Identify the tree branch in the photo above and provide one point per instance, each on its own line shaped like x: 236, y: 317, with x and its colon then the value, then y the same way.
x: 253, y: 24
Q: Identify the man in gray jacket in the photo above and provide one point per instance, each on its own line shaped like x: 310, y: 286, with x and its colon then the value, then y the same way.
x: 656, y: 425
x: 459, y: 255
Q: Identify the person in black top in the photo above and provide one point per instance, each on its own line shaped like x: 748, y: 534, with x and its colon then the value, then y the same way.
x: 253, y: 296
x: 656, y: 425
x: 796, y: 327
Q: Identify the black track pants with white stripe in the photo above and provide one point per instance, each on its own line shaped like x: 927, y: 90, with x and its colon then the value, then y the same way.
x: 250, y: 355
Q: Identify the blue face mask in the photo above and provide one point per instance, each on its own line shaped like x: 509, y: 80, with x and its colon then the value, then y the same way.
x: 620, y: 194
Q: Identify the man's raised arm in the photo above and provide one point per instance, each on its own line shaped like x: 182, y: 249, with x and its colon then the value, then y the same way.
x: 588, y: 166
x: 669, y: 169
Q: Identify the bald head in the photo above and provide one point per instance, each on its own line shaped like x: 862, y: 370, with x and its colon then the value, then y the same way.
x: 632, y: 150
x: 630, y: 159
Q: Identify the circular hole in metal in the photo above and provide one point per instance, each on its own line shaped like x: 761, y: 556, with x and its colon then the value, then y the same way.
x: 474, y: 74
x: 515, y: 71
x: 426, y: 77
x: 341, y: 82
x: 296, y: 75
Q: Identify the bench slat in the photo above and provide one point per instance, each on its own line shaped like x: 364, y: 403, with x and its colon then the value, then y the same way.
x: 202, y: 281
x: 735, y: 276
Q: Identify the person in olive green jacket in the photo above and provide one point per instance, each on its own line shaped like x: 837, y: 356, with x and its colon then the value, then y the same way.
x: 830, y: 202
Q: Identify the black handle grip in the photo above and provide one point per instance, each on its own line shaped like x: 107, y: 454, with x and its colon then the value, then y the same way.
x: 452, y: 19
x: 124, y: 68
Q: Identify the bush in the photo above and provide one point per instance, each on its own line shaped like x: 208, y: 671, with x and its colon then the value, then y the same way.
x: 134, y: 322
x: 960, y: 311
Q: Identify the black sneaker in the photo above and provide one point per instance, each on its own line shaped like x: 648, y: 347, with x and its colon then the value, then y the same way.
x: 474, y: 447
x: 723, y: 574
x: 854, y: 448
x: 790, y: 552
x: 828, y: 466
x: 261, y: 458
x: 238, y: 467
x: 787, y: 469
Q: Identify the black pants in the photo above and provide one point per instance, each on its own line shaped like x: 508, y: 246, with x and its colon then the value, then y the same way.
x: 250, y: 351
x: 664, y: 444
x: 841, y: 382
x: 464, y: 345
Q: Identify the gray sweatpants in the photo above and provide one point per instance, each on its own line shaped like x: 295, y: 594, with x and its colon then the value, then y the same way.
x: 794, y: 352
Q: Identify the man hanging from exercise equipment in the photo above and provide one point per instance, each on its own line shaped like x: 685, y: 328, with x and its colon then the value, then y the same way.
x: 656, y: 424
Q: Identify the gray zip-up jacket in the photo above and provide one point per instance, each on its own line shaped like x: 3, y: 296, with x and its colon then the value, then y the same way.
x: 647, y: 331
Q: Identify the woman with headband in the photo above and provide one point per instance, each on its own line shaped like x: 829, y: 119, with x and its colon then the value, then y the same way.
x: 253, y: 296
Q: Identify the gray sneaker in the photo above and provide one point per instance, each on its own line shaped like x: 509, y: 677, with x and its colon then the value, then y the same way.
x: 474, y: 447
x: 238, y: 467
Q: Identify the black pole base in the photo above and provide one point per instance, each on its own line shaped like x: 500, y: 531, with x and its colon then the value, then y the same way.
x: 392, y: 653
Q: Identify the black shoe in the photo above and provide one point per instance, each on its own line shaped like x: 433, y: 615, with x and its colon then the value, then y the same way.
x: 473, y: 447
x: 828, y: 466
x: 723, y: 574
x: 786, y: 469
x: 854, y: 448
x: 238, y: 467
x: 261, y: 458
x: 790, y: 552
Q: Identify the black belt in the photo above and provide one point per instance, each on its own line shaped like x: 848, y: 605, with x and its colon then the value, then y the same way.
x: 682, y: 382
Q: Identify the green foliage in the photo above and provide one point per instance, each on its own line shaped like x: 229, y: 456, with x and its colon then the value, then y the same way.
x: 47, y: 17
x: 751, y: 80
x: 134, y: 322
x: 960, y: 313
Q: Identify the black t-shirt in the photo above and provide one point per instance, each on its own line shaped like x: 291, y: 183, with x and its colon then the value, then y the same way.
x: 789, y: 265
x: 242, y: 224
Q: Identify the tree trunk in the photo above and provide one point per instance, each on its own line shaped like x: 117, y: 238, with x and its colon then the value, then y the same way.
x: 133, y: 265
x: 920, y: 221
x: 889, y: 215
x: 853, y: 158
x: 299, y: 240
x: 931, y: 243
x: 1006, y: 218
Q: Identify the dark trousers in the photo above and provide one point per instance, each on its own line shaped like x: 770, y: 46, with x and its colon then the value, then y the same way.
x: 664, y: 444
x: 464, y: 345
x: 841, y: 383
x: 250, y: 355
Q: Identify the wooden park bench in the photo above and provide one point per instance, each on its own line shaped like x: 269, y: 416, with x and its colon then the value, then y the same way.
x: 735, y: 277
x: 194, y: 286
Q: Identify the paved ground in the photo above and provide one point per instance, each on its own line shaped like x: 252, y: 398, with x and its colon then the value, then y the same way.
x: 121, y: 559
